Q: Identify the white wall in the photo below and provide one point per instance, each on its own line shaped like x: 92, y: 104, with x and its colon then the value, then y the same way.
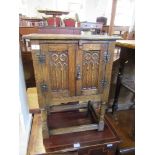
x: 24, y: 115
x: 88, y: 10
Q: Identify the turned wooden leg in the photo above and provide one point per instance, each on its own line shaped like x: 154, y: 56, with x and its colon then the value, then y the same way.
x: 45, y: 130
x: 117, y: 92
x: 118, y: 83
x: 101, y: 117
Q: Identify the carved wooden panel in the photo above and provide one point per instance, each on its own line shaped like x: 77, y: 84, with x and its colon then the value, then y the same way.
x: 58, y: 70
x: 60, y: 62
x: 67, y: 70
x: 90, y: 68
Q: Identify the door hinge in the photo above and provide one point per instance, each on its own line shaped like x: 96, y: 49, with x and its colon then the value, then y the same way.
x: 104, y: 83
x: 43, y: 87
x: 41, y: 58
x: 106, y: 57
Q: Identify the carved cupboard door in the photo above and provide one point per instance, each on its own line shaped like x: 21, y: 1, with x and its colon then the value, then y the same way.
x: 91, y: 68
x: 55, y: 71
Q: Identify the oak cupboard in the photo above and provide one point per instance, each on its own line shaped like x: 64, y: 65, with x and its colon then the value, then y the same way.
x: 72, y: 72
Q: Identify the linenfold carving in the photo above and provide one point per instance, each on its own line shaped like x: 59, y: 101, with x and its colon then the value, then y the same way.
x: 59, y: 70
x: 90, y: 68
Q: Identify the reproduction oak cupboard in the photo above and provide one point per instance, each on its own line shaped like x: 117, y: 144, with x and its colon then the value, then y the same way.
x: 72, y: 72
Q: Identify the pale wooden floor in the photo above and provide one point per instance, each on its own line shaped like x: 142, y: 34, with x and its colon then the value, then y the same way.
x: 36, y: 141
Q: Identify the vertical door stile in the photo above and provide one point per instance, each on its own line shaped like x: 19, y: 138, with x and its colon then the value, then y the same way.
x: 71, y: 75
x: 39, y: 72
x: 45, y: 72
x: 78, y: 65
x: 101, y: 68
x: 110, y: 49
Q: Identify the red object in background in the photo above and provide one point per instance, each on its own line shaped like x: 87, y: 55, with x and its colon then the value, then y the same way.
x: 50, y: 21
x: 69, y: 22
x: 78, y: 24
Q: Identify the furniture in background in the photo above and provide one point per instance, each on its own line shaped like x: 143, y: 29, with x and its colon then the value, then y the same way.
x: 94, y: 28
x: 26, y: 55
x: 102, y: 20
x: 72, y: 72
x: 25, y: 46
x: 54, y: 20
x: 69, y: 22
x: 59, y: 30
x: 28, y: 69
x: 127, y: 52
x: 31, y: 22
x: 124, y: 128
x: 119, y: 30
x: 131, y: 35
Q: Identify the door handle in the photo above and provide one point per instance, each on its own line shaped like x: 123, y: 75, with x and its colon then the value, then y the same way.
x: 78, y: 72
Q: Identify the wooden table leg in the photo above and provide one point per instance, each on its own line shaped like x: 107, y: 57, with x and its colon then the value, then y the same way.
x: 119, y: 79
x: 45, y: 130
x: 101, y: 119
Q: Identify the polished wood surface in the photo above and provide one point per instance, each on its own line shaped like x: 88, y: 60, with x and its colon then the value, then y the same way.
x: 69, y: 36
x: 35, y: 145
x: 123, y: 122
x: 27, y: 30
x: 53, y: 12
x: 126, y: 43
x: 116, y: 29
x: 33, y: 100
x: 86, y: 138
x: 89, y: 140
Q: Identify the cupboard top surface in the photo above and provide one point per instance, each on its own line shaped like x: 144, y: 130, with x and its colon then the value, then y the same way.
x: 69, y: 37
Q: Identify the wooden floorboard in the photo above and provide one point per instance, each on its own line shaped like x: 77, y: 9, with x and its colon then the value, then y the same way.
x: 35, y: 145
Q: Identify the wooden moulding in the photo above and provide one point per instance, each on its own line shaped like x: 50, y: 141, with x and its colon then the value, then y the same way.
x: 73, y: 129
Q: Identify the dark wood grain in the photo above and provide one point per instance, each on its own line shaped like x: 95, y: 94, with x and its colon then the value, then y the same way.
x: 91, y: 142
x: 123, y: 122
x: 86, y: 138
